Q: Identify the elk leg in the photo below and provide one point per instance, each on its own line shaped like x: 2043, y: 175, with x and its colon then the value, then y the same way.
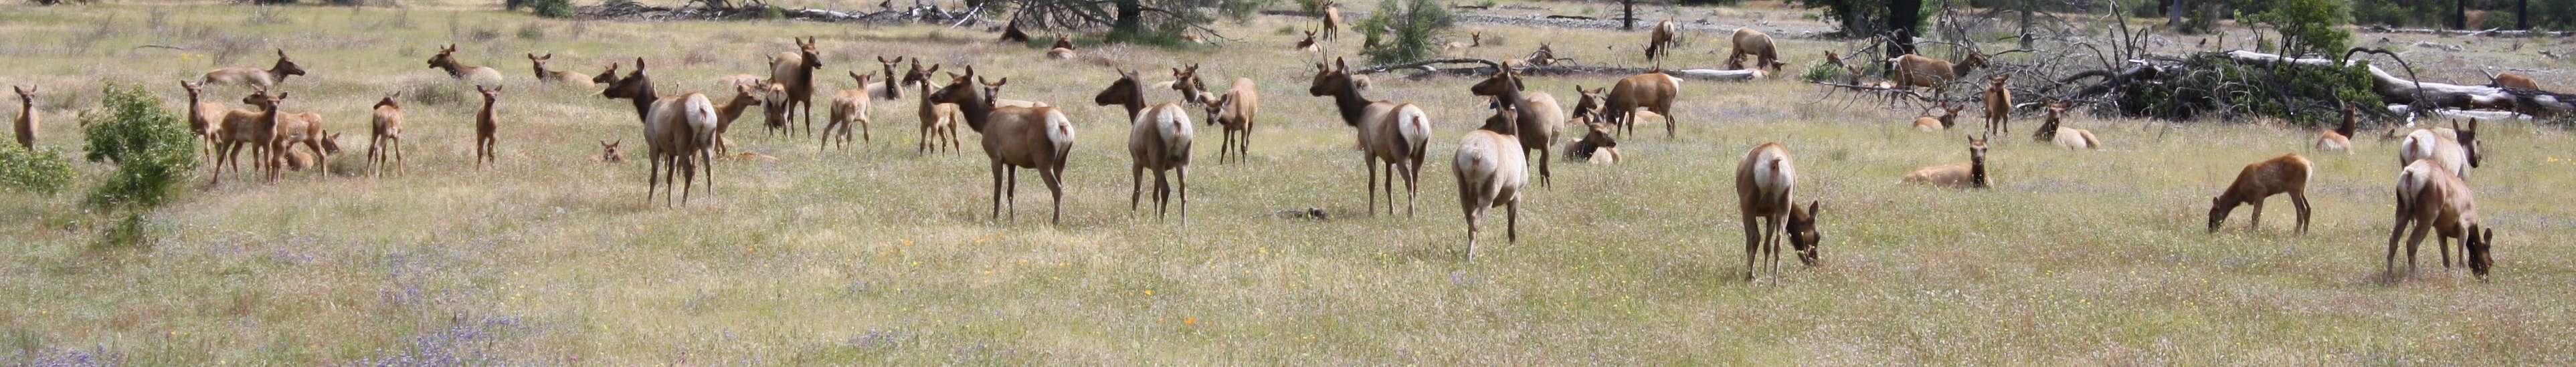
x: 1543, y: 173
x: 2300, y: 200
x: 1055, y: 189
x: 1668, y: 121
x: 2443, y: 245
x: 1135, y: 187
x: 398, y: 156
x: 1412, y: 176
x: 1372, y: 168
x: 710, y: 159
x: 2257, y: 222
x: 2390, y: 261
x: 1470, y: 207
x: 1182, y: 174
x: 1011, y: 193
x: 1752, y: 244
x: 2413, y: 242
x: 653, y: 179
x: 1512, y: 222
x: 997, y: 194
x: 1162, y: 194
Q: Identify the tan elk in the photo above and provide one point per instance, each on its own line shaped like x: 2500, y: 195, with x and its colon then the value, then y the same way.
x: 889, y: 88
x: 1038, y: 138
x: 1999, y: 104
x: 1308, y: 44
x: 486, y: 125
x: 1653, y: 91
x: 1159, y: 140
x: 1391, y: 135
x: 1474, y: 40
x: 567, y: 78
x: 2054, y: 131
x: 795, y: 70
x: 2340, y: 138
x: 1539, y: 116
x: 1492, y: 167
x: 1764, y: 185
x: 2455, y: 149
x: 1596, y: 146
x: 1755, y: 45
x: 205, y: 118
x: 292, y: 129
x: 385, y: 133
x: 611, y: 152
x: 729, y: 111
x: 446, y: 60
x: 1966, y: 175
x: 1332, y: 18
x: 27, y: 118
x: 1662, y: 41
x: 938, y: 120
x: 2429, y: 198
x: 1236, y: 110
x: 2287, y: 174
x: 1063, y: 48
x: 1949, y: 117
x: 1913, y: 71
x: 2516, y: 81
x: 849, y: 107
x: 274, y: 75
x: 252, y: 129
x: 678, y: 131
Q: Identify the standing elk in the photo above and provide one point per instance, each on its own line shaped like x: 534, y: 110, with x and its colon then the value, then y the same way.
x: 678, y: 131
x: 1653, y: 90
x: 1967, y: 175
x: 276, y: 74
x: 2430, y: 198
x: 2455, y: 149
x: 1491, y: 168
x: 1062, y: 49
x: 2287, y: 174
x: 1662, y: 41
x: 1764, y: 183
x: 567, y: 78
x: 850, y: 107
x: 385, y: 135
x: 1754, y: 44
x: 247, y: 128
x: 2340, y: 138
x: 1949, y: 117
x: 1999, y: 105
x: 937, y: 119
x: 1159, y: 140
x: 1332, y: 18
x: 205, y: 118
x: 731, y: 110
x: 1235, y: 110
x: 796, y: 71
x: 446, y: 60
x: 2516, y: 81
x: 1919, y: 71
x: 27, y: 118
x: 1038, y: 138
x: 485, y: 126
x: 1539, y: 115
x: 1391, y: 132
x: 2054, y: 131
x: 291, y: 129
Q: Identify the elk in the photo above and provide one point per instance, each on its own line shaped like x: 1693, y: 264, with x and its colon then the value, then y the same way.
x: 1662, y: 41
x: 937, y: 119
x: 1949, y: 117
x: 1803, y: 236
x: 1011, y: 32
x: 2430, y: 198
x: 276, y: 74
x: 888, y: 89
x: 567, y: 78
x: 485, y: 125
x: 385, y: 135
x: 1474, y: 40
x: 678, y: 131
x: 1390, y: 132
x: 27, y: 118
x: 1652, y: 90
x: 1235, y: 110
x: 1332, y: 18
x: 2054, y: 131
x: 1159, y: 140
x: 1999, y: 104
x: 2287, y: 174
x: 205, y: 118
x: 1038, y: 138
x: 1969, y: 175
x: 2340, y: 138
x: 1063, y: 48
x: 1764, y: 182
x: 731, y: 110
x: 2455, y: 149
x: 796, y: 71
x: 446, y: 60
x: 1926, y: 72
x: 609, y: 152
x: 1754, y: 44
x: 1538, y: 115
x: 243, y: 128
x: 1308, y: 44
x: 1491, y: 168
x: 1193, y: 91
x: 291, y: 129
x: 1596, y: 146
x: 851, y: 106
x: 2516, y: 81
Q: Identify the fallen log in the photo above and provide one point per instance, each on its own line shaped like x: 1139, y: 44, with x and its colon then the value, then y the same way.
x: 2396, y: 90
x: 2490, y: 32
x: 1475, y: 67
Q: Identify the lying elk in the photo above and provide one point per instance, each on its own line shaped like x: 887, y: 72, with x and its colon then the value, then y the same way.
x: 27, y: 118
x: 2429, y: 197
x: 1063, y: 48
x: 1754, y: 44
x: 1949, y: 117
x: 1653, y: 91
x: 2340, y: 138
x: 1967, y: 175
x: 889, y: 88
x: 1539, y: 115
x: 2516, y: 81
x: 2053, y: 130
x: 1308, y: 44
x: 2287, y: 174
x: 487, y: 126
x: 276, y: 74
x: 1038, y: 138
x: 1596, y: 146
x: 1011, y: 32
x: 567, y: 78
x: 849, y: 107
x: 795, y: 70
x: 1764, y: 182
x: 1159, y: 140
x: 446, y: 60
x: 384, y: 138
x: 1389, y: 132
x: 1474, y: 40
x: 609, y: 152
x: 678, y: 131
x: 1491, y: 168
x: 2455, y: 149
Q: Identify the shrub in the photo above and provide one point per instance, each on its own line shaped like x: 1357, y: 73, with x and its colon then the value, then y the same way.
x: 1416, y: 23
x: 532, y: 32
x: 41, y: 172
x: 545, y: 8
x: 152, y: 150
x: 2307, y: 25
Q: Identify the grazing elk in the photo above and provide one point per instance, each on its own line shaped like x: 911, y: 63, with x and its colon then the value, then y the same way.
x: 1914, y: 71
x: 276, y: 74
x: 1764, y: 182
x: 567, y: 78
x: 2516, y: 81
x: 385, y: 135
x: 1949, y: 117
x: 1063, y: 48
x: 1491, y: 168
x: 1653, y: 90
x: 27, y: 118
x: 850, y: 107
x: 1999, y: 104
x: 2287, y: 174
x: 1038, y: 138
x: 1803, y: 236
x: 2055, y: 131
x: 1308, y: 44
x: 796, y: 71
x: 1754, y: 44
x: 2430, y: 198
x: 609, y: 151
x: 1236, y: 110
x: 678, y: 131
x: 1539, y: 115
x: 1596, y: 146
x: 1389, y: 132
x: 485, y: 126
x: 2340, y: 138
x: 446, y: 60
x: 1968, y: 175
x: 1332, y: 18
x: 1662, y: 41
x: 205, y: 118
x: 1159, y: 140
x: 2455, y: 149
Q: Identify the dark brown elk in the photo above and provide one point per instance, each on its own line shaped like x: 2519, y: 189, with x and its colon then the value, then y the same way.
x: 486, y: 127
x: 385, y: 133
x: 567, y: 78
x: 1491, y: 168
x: 1755, y: 45
x: 2340, y: 138
x: 1918, y: 71
x: 1803, y: 235
x: 1653, y: 91
x: 1391, y: 135
x: 1949, y: 117
x: 1038, y: 138
x: 796, y: 71
x: 1764, y: 183
x: 1999, y: 104
x: 276, y: 74
x: 1662, y: 41
x: 1236, y: 110
x: 678, y: 130
x: 2429, y: 198
x: 28, y: 121
x: 2287, y: 174
x: 1965, y: 175
x: 1011, y: 32
x: 2455, y: 149
x: 848, y: 108
x: 446, y: 60
x: 1159, y: 140
x: 1539, y: 116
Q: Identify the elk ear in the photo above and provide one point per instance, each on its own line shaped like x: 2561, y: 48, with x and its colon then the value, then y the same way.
x: 1344, y: 66
x: 2473, y: 124
x: 1815, y: 206
x: 1005, y: 80
x: 639, y: 65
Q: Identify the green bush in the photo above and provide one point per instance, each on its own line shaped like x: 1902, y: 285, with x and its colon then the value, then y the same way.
x: 2216, y: 84
x: 42, y: 172
x: 546, y: 8
x: 152, y: 150
x: 1416, y: 23
x: 2307, y: 25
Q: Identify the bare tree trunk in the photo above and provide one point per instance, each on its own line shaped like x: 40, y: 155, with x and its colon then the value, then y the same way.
x: 1902, y: 15
x: 2026, y: 8
x: 2459, y: 14
x: 1627, y: 15
x: 1127, y: 22
x: 2522, y: 15
x: 2173, y: 14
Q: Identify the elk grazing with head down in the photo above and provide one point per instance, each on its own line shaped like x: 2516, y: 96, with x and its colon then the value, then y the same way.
x: 1756, y: 45
x: 1539, y: 116
x: 2454, y: 148
x: 1964, y: 176
x: 2429, y: 198
x: 205, y: 118
x: 1391, y: 135
x: 1803, y: 236
x: 1764, y: 182
x: 385, y: 135
x: 446, y: 60
x: 1159, y: 140
x: 1653, y: 91
x: 1662, y: 41
x: 276, y: 74
x: 796, y: 71
x: 1062, y: 49
x: 938, y: 120
x: 2054, y: 131
x: 2287, y: 174
x: 486, y: 126
x: 1999, y: 104
x: 1491, y: 168
x: 849, y: 107
x: 1038, y: 138
x: 27, y: 119
x: 1235, y: 110
x: 1913, y: 71
x: 567, y: 78
x: 1949, y: 117
x: 678, y: 132
x: 2340, y: 138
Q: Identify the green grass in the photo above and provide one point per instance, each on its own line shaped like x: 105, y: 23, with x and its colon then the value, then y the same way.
x: 879, y: 256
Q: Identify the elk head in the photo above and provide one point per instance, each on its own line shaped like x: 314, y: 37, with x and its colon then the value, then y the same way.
x: 1186, y: 80
x: 446, y: 58
x: 2477, y: 243
x: 285, y: 65
x: 1803, y: 235
x: 2469, y: 140
x: 1123, y: 91
x: 606, y: 76
x: 805, y: 48
x: 609, y: 152
x: 1331, y: 79
x: 918, y: 74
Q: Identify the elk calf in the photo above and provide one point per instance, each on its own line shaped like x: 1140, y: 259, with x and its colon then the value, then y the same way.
x: 1999, y: 105
x: 1596, y: 146
x: 2430, y: 198
x: 27, y: 119
x: 1492, y: 167
x: 2287, y: 174
x: 484, y: 127
x: 1235, y: 110
x: 256, y: 78
x: 1764, y: 181
x: 2455, y: 149
x: 609, y: 152
x: 1967, y: 175
x: 1949, y: 117
x: 446, y: 60
x: 385, y: 135
x: 2340, y: 138
x: 205, y: 118
x: 849, y: 107
x: 2055, y: 131
x: 567, y: 78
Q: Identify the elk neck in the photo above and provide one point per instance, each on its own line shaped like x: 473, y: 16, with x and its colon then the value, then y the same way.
x: 1348, y: 100
x: 977, y: 108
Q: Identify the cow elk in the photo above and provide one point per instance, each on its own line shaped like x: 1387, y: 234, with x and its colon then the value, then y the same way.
x: 446, y: 60
x: 1999, y: 104
x: 1967, y: 175
x: 678, y: 131
x: 2340, y: 138
x: 1332, y: 18
x: 1539, y: 116
x: 1063, y: 48
x: 2287, y: 174
x: 1764, y: 182
x: 485, y: 126
x: 1949, y: 117
x: 1653, y: 91
x: 2455, y: 149
x: 1491, y: 168
x: 567, y: 78
x: 1756, y: 45
x: 1662, y: 41
x: 1159, y: 140
x: 850, y: 107
x: 384, y: 138
x: 795, y: 70
x: 2516, y: 81
x: 1391, y: 135
x: 1038, y: 138
x: 2430, y: 198
x: 1236, y: 110
x: 2054, y: 131
x: 1913, y: 71
x: 276, y: 74
x: 27, y: 118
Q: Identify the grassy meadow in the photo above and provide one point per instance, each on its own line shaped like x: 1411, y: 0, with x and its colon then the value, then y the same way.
x: 877, y: 255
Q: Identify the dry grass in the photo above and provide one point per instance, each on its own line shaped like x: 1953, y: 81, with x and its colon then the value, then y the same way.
x: 879, y: 256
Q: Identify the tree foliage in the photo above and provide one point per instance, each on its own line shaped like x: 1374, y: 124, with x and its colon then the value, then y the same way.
x: 152, y: 150
x: 1141, y: 21
x: 2307, y: 25
x: 42, y: 172
x: 1416, y: 25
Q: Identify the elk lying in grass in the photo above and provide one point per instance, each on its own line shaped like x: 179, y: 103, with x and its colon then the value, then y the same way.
x: 486, y: 125
x: 1918, y: 71
x: 2054, y: 131
x: 2340, y: 138
x: 276, y: 74
x: 1236, y: 110
x: 1038, y: 138
x: 567, y: 78
x: 1662, y: 41
x: 610, y: 152
x: 850, y: 107
x: 2516, y: 81
x: 27, y: 118
x: 1653, y: 91
x: 1332, y: 18
x: 890, y: 88
x: 2455, y: 149
x: 1968, y: 175
x: 1011, y: 32
x: 938, y: 120
x: 2287, y: 174
x: 446, y: 60
x: 795, y: 70
x: 205, y: 118
x: 2429, y: 197
x: 1764, y: 181
x: 1474, y: 40
x: 1389, y: 132
x: 384, y: 138
x: 1538, y: 115
x: 1754, y: 44
x: 1999, y: 105
x: 1596, y: 146
x: 1949, y: 117
x: 1063, y: 48
x: 678, y: 130
x: 1159, y: 140
x: 1492, y: 167
x: 1308, y: 44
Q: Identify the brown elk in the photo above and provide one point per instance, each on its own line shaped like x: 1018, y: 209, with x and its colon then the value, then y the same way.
x: 1967, y: 175
x: 2340, y: 138
x: 446, y: 60
x: 1159, y: 140
x: 2054, y: 130
x: 2516, y: 81
x: 1662, y: 41
x: 1236, y: 110
x: 1999, y: 104
x: 1491, y: 168
x: 609, y: 152
x: 205, y: 118
x: 1653, y: 90
x: 1193, y: 91
x: 2287, y: 174
x: 247, y: 128
x: 889, y: 88
x: 1308, y: 44
x: 485, y: 126
x: 1389, y: 132
x: 2455, y: 149
x: 1011, y: 32
x: 27, y: 118
x: 1332, y: 18
x: 1925, y: 72
x: 1764, y: 183
x: 2429, y: 198
x: 1539, y: 116
x: 1596, y: 146
x: 1754, y: 44
x: 276, y: 74
x: 1063, y: 48
x: 1038, y: 138
x: 731, y: 110
x: 850, y: 107
x: 291, y: 129
x: 1949, y: 117
x: 678, y: 131
x: 567, y: 78
x: 385, y: 135
x: 1803, y: 236
x: 796, y: 71
x: 937, y: 119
